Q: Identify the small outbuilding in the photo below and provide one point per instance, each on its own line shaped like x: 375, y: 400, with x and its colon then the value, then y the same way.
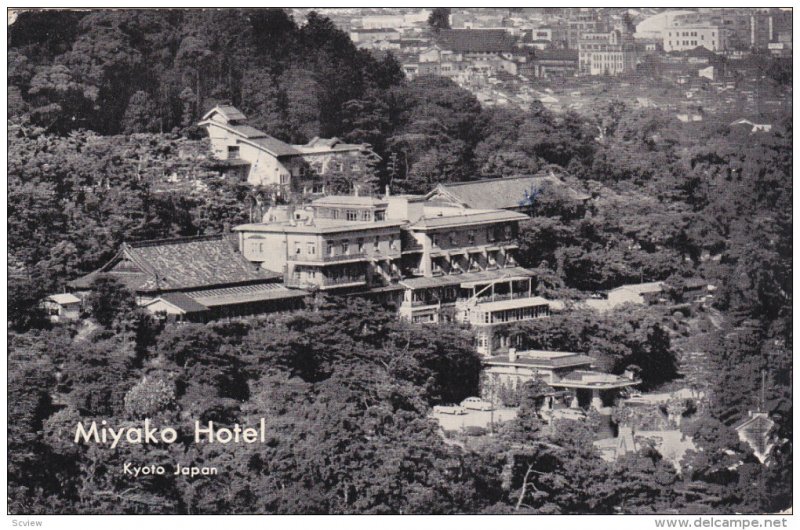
x: 62, y: 307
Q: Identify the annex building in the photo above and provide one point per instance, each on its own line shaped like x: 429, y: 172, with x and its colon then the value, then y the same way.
x: 263, y: 160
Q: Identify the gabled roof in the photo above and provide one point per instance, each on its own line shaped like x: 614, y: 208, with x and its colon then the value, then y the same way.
x: 249, y: 132
x: 476, y: 40
x: 445, y: 217
x: 182, y: 302
x: 229, y: 112
x: 273, y: 146
x: 181, y: 264
x: 348, y: 200
x: 502, y: 193
x: 64, y: 299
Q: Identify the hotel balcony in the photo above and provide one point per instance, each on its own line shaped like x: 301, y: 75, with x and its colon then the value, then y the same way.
x: 352, y: 257
x: 326, y: 283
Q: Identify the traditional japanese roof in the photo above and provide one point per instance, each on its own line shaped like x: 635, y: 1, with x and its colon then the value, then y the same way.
x: 229, y: 112
x: 273, y: 146
x: 444, y: 217
x: 502, y: 193
x: 180, y: 264
x: 248, y: 132
x: 243, y: 294
x: 182, y: 302
x: 64, y: 299
x: 476, y: 40
x: 467, y: 277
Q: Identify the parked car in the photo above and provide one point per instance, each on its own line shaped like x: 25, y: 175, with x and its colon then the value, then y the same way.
x: 476, y: 403
x: 449, y: 409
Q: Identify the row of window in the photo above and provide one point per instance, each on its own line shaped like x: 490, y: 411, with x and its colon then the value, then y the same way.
x: 357, y: 215
x: 492, y: 234
x: 511, y: 315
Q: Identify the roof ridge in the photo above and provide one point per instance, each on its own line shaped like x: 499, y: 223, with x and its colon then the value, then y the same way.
x: 174, y: 240
x: 494, y: 179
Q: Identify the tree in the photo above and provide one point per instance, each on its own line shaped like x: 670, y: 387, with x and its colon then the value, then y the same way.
x: 439, y: 18
x: 109, y: 300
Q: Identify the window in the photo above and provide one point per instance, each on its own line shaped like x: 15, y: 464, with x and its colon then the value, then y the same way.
x: 380, y: 216
x: 297, y: 248
x: 284, y: 178
x: 453, y: 238
x: 395, y: 244
x: 361, y: 246
x: 233, y: 151
x: 352, y: 215
x: 471, y: 237
x: 312, y: 249
x: 345, y: 247
x: 331, y: 249
x: 376, y: 245
x: 508, y: 232
x: 490, y: 233
x: 365, y: 215
x: 435, y: 240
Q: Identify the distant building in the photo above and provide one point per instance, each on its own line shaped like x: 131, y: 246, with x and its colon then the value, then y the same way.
x: 477, y: 43
x: 754, y: 127
x: 688, y: 37
x: 264, y: 160
x: 583, y: 20
x: 547, y: 63
x: 369, y: 38
x: 62, y: 307
x: 611, y: 53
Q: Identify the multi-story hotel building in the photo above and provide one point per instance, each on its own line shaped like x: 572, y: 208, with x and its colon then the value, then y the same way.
x: 336, y: 243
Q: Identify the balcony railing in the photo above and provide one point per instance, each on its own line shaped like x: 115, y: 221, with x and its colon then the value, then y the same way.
x: 323, y: 282
x: 327, y: 258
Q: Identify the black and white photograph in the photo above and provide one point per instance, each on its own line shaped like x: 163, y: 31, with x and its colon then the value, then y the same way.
x: 394, y: 261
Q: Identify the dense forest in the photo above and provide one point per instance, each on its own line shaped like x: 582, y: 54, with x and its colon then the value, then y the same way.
x: 102, y: 107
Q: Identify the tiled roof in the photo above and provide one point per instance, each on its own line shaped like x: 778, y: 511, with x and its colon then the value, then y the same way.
x: 192, y: 262
x: 230, y: 112
x: 245, y: 293
x: 274, y: 146
x: 183, y: 302
x: 502, y: 193
x: 476, y: 40
x: 248, y: 132
x: 464, y: 217
x: 64, y: 298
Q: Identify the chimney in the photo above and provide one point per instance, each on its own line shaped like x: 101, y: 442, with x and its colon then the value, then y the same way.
x: 387, y: 191
x: 512, y: 355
